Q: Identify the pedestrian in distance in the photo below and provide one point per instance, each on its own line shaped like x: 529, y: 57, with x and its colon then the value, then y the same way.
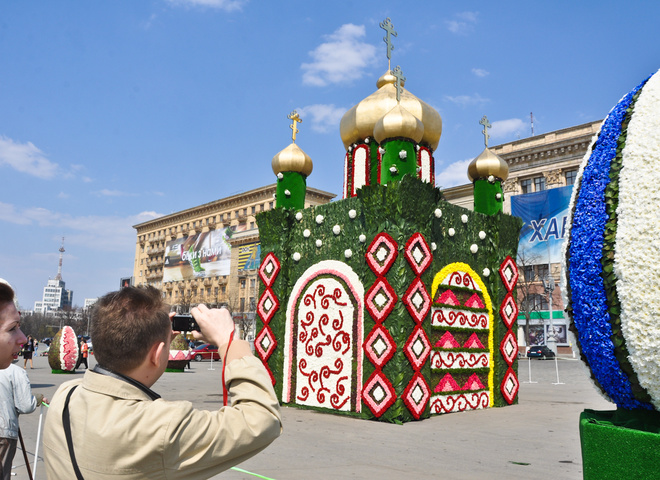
x: 28, y: 351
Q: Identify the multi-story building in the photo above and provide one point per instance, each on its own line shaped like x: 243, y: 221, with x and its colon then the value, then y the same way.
x: 209, y: 253
x: 537, y: 164
x: 55, y: 297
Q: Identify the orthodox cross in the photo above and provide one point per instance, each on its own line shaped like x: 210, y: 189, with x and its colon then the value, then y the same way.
x: 296, y: 119
x: 484, y: 121
x: 398, y: 74
x: 389, y: 28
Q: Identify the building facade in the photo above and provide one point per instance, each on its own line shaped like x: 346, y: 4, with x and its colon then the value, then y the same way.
x: 537, y: 164
x: 55, y: 297
x: 209, y: 253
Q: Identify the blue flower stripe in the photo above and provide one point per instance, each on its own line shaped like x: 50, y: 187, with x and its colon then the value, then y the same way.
x: 589, y: 300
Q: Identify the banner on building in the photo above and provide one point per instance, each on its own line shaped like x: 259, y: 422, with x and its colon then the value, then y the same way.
x: 545, y: 216
x: 205, y: 254
x: 249, y: 256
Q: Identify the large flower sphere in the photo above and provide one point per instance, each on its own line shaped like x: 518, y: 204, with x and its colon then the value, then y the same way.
x: 612, y: 252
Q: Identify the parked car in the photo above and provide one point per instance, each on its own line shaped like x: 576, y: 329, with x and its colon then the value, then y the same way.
x: 205, y: 352
x: 46, y: 340
x: 540, y: 351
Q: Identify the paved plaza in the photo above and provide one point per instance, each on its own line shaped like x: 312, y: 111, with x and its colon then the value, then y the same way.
x: 538, y: 438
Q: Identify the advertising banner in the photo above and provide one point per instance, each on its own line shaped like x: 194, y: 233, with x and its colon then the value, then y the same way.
x: 249, y: 256
x: 205, y: 254
x: 544, y: 216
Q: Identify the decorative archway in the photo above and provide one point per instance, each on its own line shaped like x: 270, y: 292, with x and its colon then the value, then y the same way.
x: 323, y: 339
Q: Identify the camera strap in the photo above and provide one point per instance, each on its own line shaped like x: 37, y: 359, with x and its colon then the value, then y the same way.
x: 225, y: 392
x: 66, y: 423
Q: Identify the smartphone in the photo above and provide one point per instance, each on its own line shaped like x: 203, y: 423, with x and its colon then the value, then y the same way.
x: 184, y: 323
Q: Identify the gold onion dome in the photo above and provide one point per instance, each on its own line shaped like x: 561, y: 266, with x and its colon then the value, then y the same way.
x: 398, y: 122
x: 359, y: 122
x: 486, y: 164
x: 292, y: 159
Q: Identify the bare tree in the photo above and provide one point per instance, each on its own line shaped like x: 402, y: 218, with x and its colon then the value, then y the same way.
x: 530, y: 295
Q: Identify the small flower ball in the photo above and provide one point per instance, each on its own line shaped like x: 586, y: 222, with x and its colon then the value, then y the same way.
x: 482, y: 235
x: 417, y: 147
x: 299, y: 216
x: 306, y: 233
x: 451, y: 232
x: 280, y: 176
x: 403, y: 154
x: 393, y: 169
x: 491, y: 179
x: 498, y: 196
x: 352, y: 213
x: 274, y: 195
x: 381, y: 150
x: 474, y: 248
x: 433, y: 246
x: 350, y: 148
x: 366, y: 140
x: 362, y: 238
x: 486, y: 272
x: 336, y: 229
x: 287, y: 193
x: 319, y: 243
x: 348, y: 253
x: 296, y: 256
x: 464, y: 218
x: 437, y: 213
x: 319, y: 219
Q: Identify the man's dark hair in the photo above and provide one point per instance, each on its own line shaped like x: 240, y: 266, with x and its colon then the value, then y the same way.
x: 6, y: 294
x: 126, y: 324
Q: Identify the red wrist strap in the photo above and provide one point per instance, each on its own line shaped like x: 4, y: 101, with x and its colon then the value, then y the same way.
x: 225, y: 394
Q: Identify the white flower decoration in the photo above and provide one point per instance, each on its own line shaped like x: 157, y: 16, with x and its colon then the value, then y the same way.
x: 498, y: 196
x: 362, y: 238
x: 394, y: 170
x: 381, y: 150
x: 296, y: 256
x: 306, y: 233
x: 403, y: 154
x: 350, y: 148
x: 474, y: 248
x: 319, y: 243
x: 417, y: 147
x: 482, y: 235
x: 491, y: 178
x: 419, y: 169
x: 433, y: 246
x: 464, y: 218
x: 274, y: 195
x: 352, y: 213
x: 299, y: 216
x: 336, y: 229
x: 366, y: 140
x: 287, y: 193
x: 437, y: 213
x: 348, y: 253
x: 280, y: 176
x: 451, y: 232
x: 486, y: 272
x: 319, y: 219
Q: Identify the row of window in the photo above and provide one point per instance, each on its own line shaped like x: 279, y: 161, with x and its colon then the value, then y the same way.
x: 538, y: 184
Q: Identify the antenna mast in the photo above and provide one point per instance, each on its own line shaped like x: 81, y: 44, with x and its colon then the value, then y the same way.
x: 531, y: 116
x: 59, y: 268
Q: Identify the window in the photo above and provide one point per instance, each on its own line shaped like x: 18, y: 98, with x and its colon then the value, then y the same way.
x: 570, y: 175
x: 526, y: 186
x: 242, y: 305
x: 270, y: 205
x: 535, y: 302
x: 251, y: 225
x: 254, y: 209
x: 224, y: 289
x: 243, y: 283
x: 539, y: 184
x: 215, y: 291
x: 253, y: 283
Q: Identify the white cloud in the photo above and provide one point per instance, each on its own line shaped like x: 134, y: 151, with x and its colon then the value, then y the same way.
x: 114, y: 193
x: 462, y: 23
x: 63, y: 195
x: 454, y: 174
x: 109, y: 233
x: 507, y: 128
x: 342, y: 58
x: 226, y: 5
x: 480, y: 72
x: 324, y: 118
x: 26, y: 158
x: 467, y: 100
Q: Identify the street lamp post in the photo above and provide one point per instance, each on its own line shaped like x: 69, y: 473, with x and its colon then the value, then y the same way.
x: 549, y: 287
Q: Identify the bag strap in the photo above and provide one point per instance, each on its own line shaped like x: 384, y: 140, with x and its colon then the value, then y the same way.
x: 66, y: 422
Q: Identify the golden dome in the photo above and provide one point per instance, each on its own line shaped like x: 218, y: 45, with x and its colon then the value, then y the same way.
x: 398, y: 122
x: 358, y: 123
x: 292, y: 159
x: 486, y: 164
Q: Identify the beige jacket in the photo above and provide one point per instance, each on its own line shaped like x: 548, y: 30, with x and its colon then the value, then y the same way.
x: 119, y: 432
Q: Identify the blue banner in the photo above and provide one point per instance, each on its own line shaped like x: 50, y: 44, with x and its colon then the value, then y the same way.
x: 545, y: 217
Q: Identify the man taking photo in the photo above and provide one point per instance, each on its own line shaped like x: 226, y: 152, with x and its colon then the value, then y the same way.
x: 111, y: 424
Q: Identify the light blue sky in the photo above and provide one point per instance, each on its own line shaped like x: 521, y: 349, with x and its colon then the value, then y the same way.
x: 114, y: 112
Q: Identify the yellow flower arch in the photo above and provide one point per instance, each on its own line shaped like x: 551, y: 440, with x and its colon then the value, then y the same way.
x: 464, y: 267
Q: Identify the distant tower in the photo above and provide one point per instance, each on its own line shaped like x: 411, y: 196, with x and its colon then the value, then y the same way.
x: 59, y: 267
